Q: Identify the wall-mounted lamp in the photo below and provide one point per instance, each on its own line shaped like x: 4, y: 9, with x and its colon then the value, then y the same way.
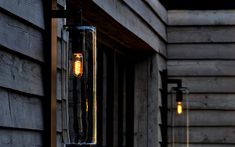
x: 174, y: 102
x: 82, y: 113
x: 179, y: 92
x: 82, y: 99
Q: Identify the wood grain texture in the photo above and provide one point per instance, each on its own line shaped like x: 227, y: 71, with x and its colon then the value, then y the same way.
x: 21, y: 38
x: 209, y: 17
x: 16, y: 138
x: 30, y: 10
x: 217, y: 102
x: 121, y: 13
x: 201, y: 51
x: 202, y: 118
x: 203, y: 145
x: 20, y: 74
x: 59, y: 117
x: 18, y: 111
x: 204, y: 135
x: 215, y: 34
x: 153, y: 99
x: 200, y: 68
x: 209, y: 84
x: 146, y: 14
x: 212, y: 101
x: 140, y: 105
x: 159, y: 9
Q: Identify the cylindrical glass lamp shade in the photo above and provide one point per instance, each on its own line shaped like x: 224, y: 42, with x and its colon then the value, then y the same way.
x: 179, y: 116
x: 82, y: 86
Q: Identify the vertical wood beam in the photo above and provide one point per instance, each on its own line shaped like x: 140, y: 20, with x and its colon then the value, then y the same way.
x: 53, y: 71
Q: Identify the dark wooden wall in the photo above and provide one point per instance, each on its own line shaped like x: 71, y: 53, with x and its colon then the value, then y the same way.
x: 21, y: 73
x: 22, y: 65
x: 201, y: 53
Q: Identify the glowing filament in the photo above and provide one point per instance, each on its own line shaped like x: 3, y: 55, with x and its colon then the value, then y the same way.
x: 77, y: 65
x: 179, y: 108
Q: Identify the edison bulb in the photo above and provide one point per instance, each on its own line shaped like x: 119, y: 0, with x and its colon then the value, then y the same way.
x: 77, y: 65
x: 179, y: 108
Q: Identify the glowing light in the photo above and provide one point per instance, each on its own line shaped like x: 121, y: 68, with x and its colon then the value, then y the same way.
x: 77, y: 65
x: 179, y: 108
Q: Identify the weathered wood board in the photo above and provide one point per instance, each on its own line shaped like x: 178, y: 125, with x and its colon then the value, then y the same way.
x: 20, y: 74
x: 199, y: 17
x: 201, y: 34
x: 202, y: 118
x: 204, y: 135
x: 146, y: 14
x: 199, y: 68
x: 20, y: 37
x: 31, y: 11
x: 220, y: 101
x: 22, y: 112
x: 18, y: 138
x: 121, y: 13
x: 201, y: 51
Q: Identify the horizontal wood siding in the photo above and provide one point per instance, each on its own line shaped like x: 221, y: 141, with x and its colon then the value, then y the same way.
x: 20, y: 37
x: 213, y: 17
x: 154, y: 22
x: 12, y: 114
x: 159, y: 9
x: 121, y: 13
x: 201, y: 53
x: 31, y: 11
x: 206, y: 135
x: 208, y: 51
x: 21, y: 73
x: 9, y: 138
x: 201, y: 34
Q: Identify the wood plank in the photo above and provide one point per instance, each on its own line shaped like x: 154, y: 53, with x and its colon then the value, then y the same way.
x: 20, y: 37
x: 212, y: 101
x: 203, y: 118
x: 59, y: 117
x: 20, y: 74
x: 201, y: 68
x: 203, y: 145
x: 209, y: 84
x: 204, y: 135
x: 159, y: 9
x: 145, y: 13
x: 201, y: 34
x: 121, y: 13
x: 140, y: 104
x: 32, y: 11
x: 26, y: 40
x: 10, y: 138
x: 59, y: 85
x: 199, y: 17
x: 18, y: 111
x: 59, y: 140
x: 153, y: 99
x: 201, y: 51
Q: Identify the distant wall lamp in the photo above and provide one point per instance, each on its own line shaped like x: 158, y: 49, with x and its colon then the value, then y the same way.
x: 179, y: 91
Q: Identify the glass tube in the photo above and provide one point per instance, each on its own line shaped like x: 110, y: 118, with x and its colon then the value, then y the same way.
x: 82, y: 86
x: 179, y: 122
